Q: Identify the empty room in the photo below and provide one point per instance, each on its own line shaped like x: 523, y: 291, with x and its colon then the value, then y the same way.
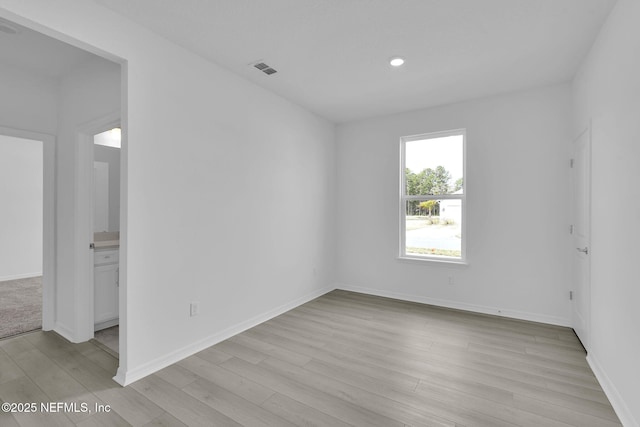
x: 320, y: 213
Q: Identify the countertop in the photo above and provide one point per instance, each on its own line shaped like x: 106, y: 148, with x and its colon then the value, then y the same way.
x: 106, y: 240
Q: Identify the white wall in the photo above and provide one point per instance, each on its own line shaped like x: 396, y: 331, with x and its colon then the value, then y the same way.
x: 29, y: 101
x: 607, y: 92
x: 229, y: 190
x: 111, y: 156
x: 517, y: 184
x: 230, y: 201
x: 21, y: 196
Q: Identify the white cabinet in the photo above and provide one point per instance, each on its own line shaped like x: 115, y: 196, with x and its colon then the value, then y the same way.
x: 106, y: 272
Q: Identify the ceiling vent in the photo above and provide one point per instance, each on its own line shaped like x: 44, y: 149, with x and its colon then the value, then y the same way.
x: 264, y: 68
x: 7, y: 29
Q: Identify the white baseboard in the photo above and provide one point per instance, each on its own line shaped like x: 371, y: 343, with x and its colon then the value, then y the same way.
x: 130, y: 376
x: 513, y: 314
x: 20, y: 276
x: 619, y: 406
x: 121, y: 377
x: 65, y: 332
x: 104, y: 325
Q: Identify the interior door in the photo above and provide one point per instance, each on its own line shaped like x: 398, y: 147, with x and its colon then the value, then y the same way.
x: 581, y: 249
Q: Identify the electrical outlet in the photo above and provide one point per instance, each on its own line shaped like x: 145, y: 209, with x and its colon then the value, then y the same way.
x: 194, y: 309
x: 451, y: 281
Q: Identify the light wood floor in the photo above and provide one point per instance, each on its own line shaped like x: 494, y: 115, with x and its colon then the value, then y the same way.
x: 109, y: 339
x: 342, y: 359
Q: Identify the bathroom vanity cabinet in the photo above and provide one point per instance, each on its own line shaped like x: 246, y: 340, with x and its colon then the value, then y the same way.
x: 106, y: 282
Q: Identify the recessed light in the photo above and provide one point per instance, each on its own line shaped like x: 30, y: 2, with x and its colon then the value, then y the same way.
x: 116, y: 133
x: 396, y: 61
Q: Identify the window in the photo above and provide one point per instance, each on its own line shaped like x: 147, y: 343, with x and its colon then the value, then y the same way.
x: 432, y: 196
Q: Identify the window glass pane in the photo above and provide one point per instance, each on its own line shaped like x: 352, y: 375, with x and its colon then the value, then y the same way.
x: 434, y: 166
x: 434, y: 228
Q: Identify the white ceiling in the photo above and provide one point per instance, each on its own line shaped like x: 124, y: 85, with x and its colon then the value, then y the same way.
x: 332, y: 55
x: 34, y: 52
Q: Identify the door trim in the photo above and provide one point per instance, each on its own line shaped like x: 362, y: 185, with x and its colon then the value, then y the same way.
x: 49, y: 220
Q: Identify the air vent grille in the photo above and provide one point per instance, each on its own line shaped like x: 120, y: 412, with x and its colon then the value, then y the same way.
x: 264, y: 68
x: 7, y: 29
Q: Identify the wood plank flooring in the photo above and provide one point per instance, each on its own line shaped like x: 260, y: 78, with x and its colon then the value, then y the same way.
x: 343, y: 359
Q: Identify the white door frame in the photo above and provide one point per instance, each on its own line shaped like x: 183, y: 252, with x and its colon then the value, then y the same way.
x: 49, y: 220
x: 582, y: 294
x: 101, y: 211
x: 84, y: 222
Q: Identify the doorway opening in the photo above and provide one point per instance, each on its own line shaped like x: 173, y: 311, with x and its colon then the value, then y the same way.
x: 59, y: 84
x: 106, y: 237
x: 26, y: 227
x: 21, y: 223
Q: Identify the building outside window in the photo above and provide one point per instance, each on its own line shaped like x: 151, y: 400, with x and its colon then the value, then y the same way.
x: 432, y: 196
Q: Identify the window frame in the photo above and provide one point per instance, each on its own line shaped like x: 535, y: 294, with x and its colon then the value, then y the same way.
x: 404, y: 198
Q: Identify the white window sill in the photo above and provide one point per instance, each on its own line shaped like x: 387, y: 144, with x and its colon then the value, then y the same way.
x: 433, y: 260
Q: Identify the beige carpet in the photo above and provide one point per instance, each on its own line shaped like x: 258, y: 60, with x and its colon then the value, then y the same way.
x: 20, y: 306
